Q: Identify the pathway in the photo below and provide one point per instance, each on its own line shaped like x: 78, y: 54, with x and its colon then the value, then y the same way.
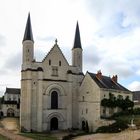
x: 11, y: 135
x: 125, y: 135
x: 10, y: 129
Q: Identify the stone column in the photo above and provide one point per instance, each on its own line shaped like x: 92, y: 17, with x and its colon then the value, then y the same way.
x: 25, y: 109
x: 69, y: 102
x: 39, y: 101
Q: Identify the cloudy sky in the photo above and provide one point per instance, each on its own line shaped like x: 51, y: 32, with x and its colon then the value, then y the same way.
x: 110, y: 35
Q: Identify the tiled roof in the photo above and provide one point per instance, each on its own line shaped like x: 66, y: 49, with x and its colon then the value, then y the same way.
x: 12, y: 90
x: 106, y: 82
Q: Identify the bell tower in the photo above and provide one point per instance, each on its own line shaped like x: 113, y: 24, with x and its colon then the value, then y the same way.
x: 77, y: 50
x: 28, y: 46
x: 26, y: 78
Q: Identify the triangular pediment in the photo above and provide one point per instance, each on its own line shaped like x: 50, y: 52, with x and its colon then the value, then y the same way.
x: 55, y: 54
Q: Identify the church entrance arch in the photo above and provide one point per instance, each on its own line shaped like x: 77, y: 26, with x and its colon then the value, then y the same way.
x: 54, y: 124
x: 10, y: 112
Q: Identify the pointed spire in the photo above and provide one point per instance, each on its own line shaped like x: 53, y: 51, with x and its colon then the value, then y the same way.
x: 77, y: 40
x: 28, y: 35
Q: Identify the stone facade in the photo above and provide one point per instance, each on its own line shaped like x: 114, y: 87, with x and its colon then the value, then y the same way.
x: 54, y: 94
x: 49, y: 89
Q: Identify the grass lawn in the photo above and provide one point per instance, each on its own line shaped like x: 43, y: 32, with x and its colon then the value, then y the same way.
x: 3, y: 138
x: 128, y: 119
x: 39, y: 136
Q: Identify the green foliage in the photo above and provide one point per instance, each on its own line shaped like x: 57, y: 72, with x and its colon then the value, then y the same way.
x: 3, y: 137
x: 127, y: 119
x: 112, y: 102
x: 39, y: 136
x: 136, y: 111
x: 68, y: 137
x: 113, y: 128
x: 108, y: 103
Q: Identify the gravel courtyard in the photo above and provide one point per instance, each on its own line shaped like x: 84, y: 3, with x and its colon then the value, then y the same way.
x: 10, y: 128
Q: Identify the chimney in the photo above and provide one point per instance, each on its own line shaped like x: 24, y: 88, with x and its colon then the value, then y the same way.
x: 114, y: 78
x: 99, y: 74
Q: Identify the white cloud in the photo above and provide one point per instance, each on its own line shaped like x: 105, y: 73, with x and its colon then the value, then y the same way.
x: 134, y: 86
x: 110, y: 34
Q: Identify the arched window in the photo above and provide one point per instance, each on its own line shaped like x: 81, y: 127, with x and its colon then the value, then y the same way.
x: 54, y: 100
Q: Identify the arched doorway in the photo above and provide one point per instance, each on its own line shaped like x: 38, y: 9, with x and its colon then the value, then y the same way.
x: 54, y: 124
x: 54, y: 100
x: 83, y: 125
x: 1, y: 114
x: 10, y: 112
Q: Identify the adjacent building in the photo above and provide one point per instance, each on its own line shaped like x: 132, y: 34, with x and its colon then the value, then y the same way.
x: 10, y: 103
x: 94, y: 88
x: 136, y: 99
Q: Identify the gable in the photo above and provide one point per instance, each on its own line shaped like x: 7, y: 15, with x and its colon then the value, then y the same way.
x: 55, y: 65
x: 55, y: 57
x: 88, y: 82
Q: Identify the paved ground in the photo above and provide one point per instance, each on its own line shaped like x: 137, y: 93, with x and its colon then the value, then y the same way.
x: 126, y: 135
x: 11, y: 135
x: 9, y: 128
x: 11, y: 124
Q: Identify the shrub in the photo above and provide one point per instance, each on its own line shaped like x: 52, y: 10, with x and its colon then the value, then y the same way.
x: 136, y: 111
x: 113, y: 128
x: 68, y: 137
x: 112, y: 102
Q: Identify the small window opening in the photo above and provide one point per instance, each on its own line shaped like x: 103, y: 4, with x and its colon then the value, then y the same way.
x: 86, y: 110
x: 59, y: 63
x: 49, y: 62
x: 83, y: 98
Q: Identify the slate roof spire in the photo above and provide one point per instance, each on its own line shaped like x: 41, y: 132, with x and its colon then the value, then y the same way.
x: 77, y: 40
x: 28, y: 35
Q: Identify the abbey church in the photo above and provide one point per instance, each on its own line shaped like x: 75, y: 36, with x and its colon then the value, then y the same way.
x: 58, y: 96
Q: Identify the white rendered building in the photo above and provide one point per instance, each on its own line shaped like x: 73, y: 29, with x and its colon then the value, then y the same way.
x: 10, y: 103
